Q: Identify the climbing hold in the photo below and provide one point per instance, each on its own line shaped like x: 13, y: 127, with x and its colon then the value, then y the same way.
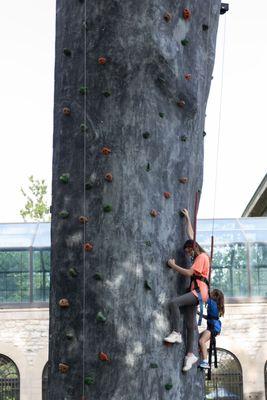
x: 67, y: 52
x: 73, y: 272
x: 186, y: 14
x: 224, y: 8
x: 63, y: 214
x: 109, y: 177
x: 64, y: 178
x: 181, y: 213
x: 146, y: 135
x: 205, y: 27
x: 88, y: 247
x: 106, y: 151
x: 161, y: 114
x: 100, y: 317
x: 185, y: 42
x: 147, y: 285
x: 106, y: 93
x: 167, y: 195
x: 148, y: 167
x: 63, y: 368
x: 98, y: 277
x: 168, y: 386
x: 83, y: 90
x: 69, y: 335
x: 148, y: 243
x: 66, y: 111
x: 183, y: 138
x: 161, y: 79
x: 181, y: 103
x: 188, y: 77
x: 85, y: 25
x: 83, y: 127
x: 167, y: 16
x: 183, y: 180
x: 83, y: 219
x: 107, y: 208
x: 103, y: 356
x: 102, y: 60
x: 204, y: 134
x: 64, y: 303
x: 153, y: 365
x: 89, y: 185
x: 154, y: 213
x: 89, y: 380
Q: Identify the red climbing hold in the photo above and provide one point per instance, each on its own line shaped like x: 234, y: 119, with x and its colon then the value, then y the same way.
x: 83, y: 219
x: 188, y: 77
x: 106, y: 151
x: 186, y: 14
x: 154, y: 213
x: 109, y: 177
x: 183, y: 180
x: 103, y: 356
x: 102, y: 60
x: 167, y: 17
x: 66, y: 111
x: 64, y: 303
x: 88, y: 247
x: 167, y: 195
x: 181, y: 103
x: 63, y: 368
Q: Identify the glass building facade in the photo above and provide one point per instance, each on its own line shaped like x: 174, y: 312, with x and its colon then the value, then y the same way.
x: 239, y: 266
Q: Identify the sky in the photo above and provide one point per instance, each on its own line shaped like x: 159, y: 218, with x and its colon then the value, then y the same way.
x: 27, y: 32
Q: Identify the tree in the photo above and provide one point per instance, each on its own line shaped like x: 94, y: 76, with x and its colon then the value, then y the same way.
x: 36, y: 207
x: 131, y: 86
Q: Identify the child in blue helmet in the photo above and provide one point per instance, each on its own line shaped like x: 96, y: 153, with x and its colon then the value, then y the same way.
x: 215, y: 310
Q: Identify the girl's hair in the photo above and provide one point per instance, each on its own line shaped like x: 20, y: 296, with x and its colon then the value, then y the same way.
x: 218, y: 296
x: 193, y: 245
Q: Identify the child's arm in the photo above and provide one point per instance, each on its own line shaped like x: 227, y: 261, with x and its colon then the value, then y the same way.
x: 189, y: 228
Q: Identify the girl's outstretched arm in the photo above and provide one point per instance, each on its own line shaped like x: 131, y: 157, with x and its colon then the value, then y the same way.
x: 183, y: 271
x: 189, y: 228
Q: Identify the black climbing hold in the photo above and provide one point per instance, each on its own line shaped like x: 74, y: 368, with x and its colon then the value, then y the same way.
x: 98, y: 277
x: 185, y: 42
x: 181, y: 213
x: 67, y: 52
x: 204, y: 134
x: 73, y: 272
x: 89, y: 185
x: 161, y: 114
x: 167, y: 17
x: 224, y: 8
x: 107, y: 208
x: 83, y: 89
x: 168, y: 386
x: 146, y: 135
x: 161, y: 79
x: 147, y: 285
x: 63, y: 214
x: 205, y: 27
x: 100, y: 317
x: 183, y: 138
x: 69, y: 335
x: 89, y: 380
x: 106, y: 93
x: 153, y: 365
x: 83, y: 127
x: 148, y: 167
x: 64, y: 178
x: 148, y: 243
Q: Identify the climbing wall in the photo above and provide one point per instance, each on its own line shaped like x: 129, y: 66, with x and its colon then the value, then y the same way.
x: 131, y: 86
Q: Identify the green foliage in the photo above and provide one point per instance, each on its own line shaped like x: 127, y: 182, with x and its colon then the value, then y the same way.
x: 36, y: 208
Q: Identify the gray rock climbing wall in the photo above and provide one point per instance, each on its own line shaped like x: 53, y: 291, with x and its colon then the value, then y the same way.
x: 131, y: 86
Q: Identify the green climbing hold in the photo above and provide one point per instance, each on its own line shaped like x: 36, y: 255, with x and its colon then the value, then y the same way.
x: 83, y: 127
x: 64, y: 178
x: 148, y: 167
x: 148, y: 243
x: 89, y: 380
x: 183, y: 138
x: 83, y: 90
x: 185, y: 42
x: 106, y: 93
x: 153, y: 365
x: 67, y: 52
x: 168, y: 386
x: 63, y: 214
x: 146, y: 135
x: 73, y: 272
x: 100, y: 317
x: 147, y: 285
x: 107, y: 208
x: 161, y: 114
x: 98, y: 277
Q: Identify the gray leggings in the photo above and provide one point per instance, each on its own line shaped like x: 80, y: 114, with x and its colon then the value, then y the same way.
x: 189, y: 301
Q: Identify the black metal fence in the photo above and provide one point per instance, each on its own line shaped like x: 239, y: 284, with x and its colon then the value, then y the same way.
x: 9, y: 379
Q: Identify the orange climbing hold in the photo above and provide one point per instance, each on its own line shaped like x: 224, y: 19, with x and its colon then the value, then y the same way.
x: 181, y: 103
x: 109, y: 177
x: 183, y: 180
x: 188, y: 77
x: 102, y: 60
x: 167, y: 195
x: 63, y: 368
x: 83, y: 219
x: 66, y: 111
x: 186, y: 14
x: 154, y: 213
x: 106, y: 151
x: 64, y: 303
x: 103, y: 356
x: 88, y: 247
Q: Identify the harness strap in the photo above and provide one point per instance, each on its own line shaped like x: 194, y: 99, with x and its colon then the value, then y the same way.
x: 195, y: 278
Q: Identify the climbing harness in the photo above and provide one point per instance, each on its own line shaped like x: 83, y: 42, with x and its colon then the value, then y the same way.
x: 194, y: 279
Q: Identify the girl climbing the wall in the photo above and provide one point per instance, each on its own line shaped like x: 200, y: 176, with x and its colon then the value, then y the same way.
x: 215, y: 310
x: 198, y: 292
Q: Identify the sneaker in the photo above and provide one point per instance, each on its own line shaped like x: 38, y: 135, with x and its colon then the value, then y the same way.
x: 204, y: 364
x: 174, y: 337
x: 189, y: 361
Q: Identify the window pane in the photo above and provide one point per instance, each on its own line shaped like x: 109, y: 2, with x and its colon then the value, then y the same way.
x: 258, y: 262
